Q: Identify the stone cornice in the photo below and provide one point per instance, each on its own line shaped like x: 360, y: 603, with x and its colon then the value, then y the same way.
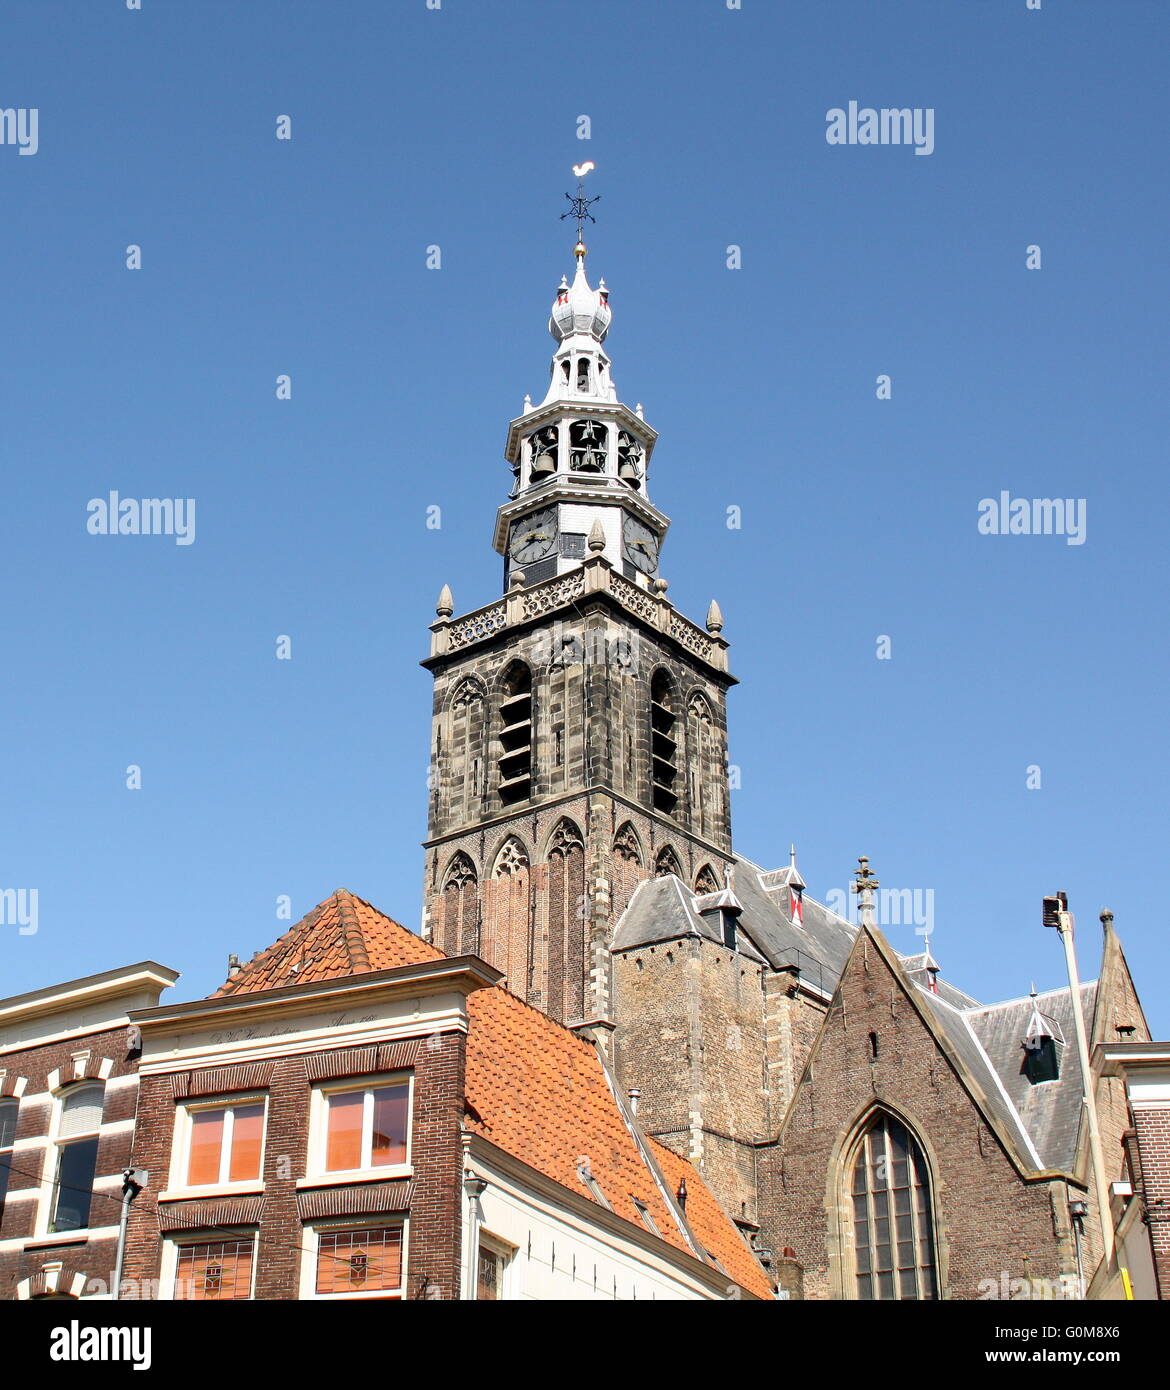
x: 603, y: 492
x: 521, y: 609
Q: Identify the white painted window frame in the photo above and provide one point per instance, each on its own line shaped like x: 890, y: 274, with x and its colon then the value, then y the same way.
x: 177, y: 1183
x: 316, y: 1171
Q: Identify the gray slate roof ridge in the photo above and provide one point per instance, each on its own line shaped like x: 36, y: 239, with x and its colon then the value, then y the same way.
x: 1009, y: 1105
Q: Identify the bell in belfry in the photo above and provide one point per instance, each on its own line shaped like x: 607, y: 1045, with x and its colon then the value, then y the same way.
x: 542, y: 465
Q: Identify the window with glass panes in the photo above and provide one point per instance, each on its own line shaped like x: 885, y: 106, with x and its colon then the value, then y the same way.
x: 490, y: 1275
x: 225, y: 1143
x: 8, y: 1109
x: 361, y: 1260
x: 214, y: 1270
x: 367, y: 1127
x: 77, y: 1150
x: 893, y: 1235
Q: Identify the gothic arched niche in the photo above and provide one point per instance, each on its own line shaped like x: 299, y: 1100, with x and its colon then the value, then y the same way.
x: 703, y: 764
x: 459, y: 760
x: 888, y: 1195
x: 663, y: 742
x: 628, y: 867
x: 706, y: 881
x: 512, y: 858
x: 459, y: 908
x: 506, y: 930
x: 666, y: 862
x: 568, y: 923
x: 515, y: 733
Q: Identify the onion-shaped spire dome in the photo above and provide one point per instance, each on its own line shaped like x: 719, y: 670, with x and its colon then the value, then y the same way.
x: 579, y: 308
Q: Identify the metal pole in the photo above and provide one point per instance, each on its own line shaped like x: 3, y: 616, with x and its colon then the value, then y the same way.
x: 1101, y: 1185
x: 130, y: 1189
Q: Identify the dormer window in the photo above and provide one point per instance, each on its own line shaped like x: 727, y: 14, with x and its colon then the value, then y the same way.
x: 1042, y: 1046
x: 1041, y: 1059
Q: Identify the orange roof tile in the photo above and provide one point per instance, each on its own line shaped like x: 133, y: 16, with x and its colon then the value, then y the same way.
x: 541, y: 1093
x: 344, y: 935
x: 538, y: 1091
x: 719, y: 1236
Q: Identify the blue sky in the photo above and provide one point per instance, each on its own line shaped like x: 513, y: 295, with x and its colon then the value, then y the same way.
x: 457, y: 127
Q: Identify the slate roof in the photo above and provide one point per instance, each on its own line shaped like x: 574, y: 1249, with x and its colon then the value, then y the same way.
x: 1041, y: 1121
x: 533, y: 1087
x: 1049, y: 1110
x: 663, y: 909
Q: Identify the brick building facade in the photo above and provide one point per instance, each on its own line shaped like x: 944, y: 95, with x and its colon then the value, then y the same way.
x: 68, y: 1091
x: 355, y: 1114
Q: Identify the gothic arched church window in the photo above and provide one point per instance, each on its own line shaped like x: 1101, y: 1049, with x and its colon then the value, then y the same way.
x: 458, y: 763
x: 703, y: 765
x: 893, y: 1221
x: 507, y: 916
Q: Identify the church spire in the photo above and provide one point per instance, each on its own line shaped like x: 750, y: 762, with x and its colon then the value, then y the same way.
x: 579, y: 459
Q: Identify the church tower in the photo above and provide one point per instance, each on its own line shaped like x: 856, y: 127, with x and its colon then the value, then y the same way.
x: 579, y: 733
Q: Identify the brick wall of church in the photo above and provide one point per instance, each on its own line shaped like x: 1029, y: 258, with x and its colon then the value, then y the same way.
x: 690, y: 1037
x: 989, y: 1222
x: 518, y: 927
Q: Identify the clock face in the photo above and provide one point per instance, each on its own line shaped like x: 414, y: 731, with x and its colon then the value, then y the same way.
x: 641, y: 545
x: 534, y: 536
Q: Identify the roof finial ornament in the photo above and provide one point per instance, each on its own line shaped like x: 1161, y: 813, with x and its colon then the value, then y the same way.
x: 929, y: 964
x: 579, y: 206
x: 864, y: 887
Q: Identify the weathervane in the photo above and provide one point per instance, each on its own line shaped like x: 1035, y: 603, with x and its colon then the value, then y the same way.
x: 579, y: 205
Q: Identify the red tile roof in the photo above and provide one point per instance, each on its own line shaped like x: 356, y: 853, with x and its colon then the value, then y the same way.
x: 720, y: 1237
x: 344, y: 935
x: 533, y: 1088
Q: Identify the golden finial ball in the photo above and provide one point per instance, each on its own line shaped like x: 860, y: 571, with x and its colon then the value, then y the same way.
x: 579, y: 249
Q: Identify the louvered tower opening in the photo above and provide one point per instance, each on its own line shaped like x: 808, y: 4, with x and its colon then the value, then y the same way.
x: 515, y: 764
x: 663, y: 747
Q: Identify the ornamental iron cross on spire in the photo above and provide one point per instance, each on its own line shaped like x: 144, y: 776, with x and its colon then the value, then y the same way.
x: 579, y: 205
